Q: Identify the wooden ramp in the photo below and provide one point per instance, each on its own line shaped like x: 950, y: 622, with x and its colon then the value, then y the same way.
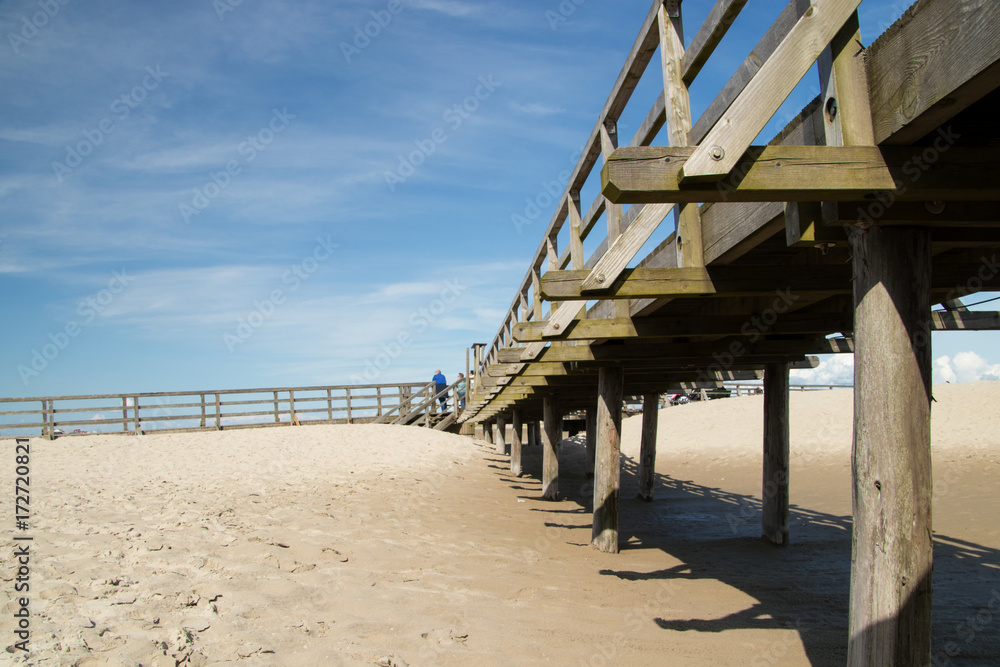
x: 878, y: 201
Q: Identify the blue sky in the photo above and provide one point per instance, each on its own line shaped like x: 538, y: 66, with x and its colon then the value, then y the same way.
x: 203, y: 195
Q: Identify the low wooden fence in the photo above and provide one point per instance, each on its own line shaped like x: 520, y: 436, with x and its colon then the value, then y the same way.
x: 203, y: 410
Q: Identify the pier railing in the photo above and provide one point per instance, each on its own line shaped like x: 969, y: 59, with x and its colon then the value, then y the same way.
x: 138, y: 413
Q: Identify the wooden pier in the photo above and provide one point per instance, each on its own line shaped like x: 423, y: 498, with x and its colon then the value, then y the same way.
x: 859, y: 228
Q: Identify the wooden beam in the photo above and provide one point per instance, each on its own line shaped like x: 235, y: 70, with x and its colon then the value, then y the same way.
x: 936, y: 61
x: 716, y: 24
x: 709, y: 281
x: 607, y: 469
x: 551, y: 438
x: 940, y: 172
x: 737, y: 348
x: 774, y: 492
x: 891, y: 562
x: 647, y: 446
x: 743, y: 75
x: 722, y: 147
x: 663, y: 327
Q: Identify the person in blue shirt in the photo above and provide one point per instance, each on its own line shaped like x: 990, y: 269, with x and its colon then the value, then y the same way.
x: 440, y: 384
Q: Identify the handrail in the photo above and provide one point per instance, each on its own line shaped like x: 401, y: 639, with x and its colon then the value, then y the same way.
x: 429, y: 401
x: 408, y: 401
x: 139, y: 412
x: 707, y: 38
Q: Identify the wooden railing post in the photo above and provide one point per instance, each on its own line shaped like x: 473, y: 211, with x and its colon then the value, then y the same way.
x: 124, y: 414
x: 203, y: 409
x: 218, y: 412
x: 329, y: 404
x: 291, y: 408
x: 135, y: 413
x: 348, y: 394
x: 378, y: 401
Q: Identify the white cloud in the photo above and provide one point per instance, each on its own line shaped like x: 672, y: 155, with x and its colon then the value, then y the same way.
x: 837, y: 369
x: 964, y: 367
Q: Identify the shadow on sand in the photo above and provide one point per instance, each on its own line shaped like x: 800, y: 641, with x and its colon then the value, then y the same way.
x: 804, y: 586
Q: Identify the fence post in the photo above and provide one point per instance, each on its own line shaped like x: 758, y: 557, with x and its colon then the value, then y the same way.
x: 202, y: 410
x: 378, y: 396
x: 277, y: 417
x: 291, y: 407
x: 135, y: 411
x: 218, y: 413
x: 124, y: 414
x: 347, y: 391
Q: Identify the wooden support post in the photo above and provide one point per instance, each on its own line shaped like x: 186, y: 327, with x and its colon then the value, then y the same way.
x: 890, y: 620
x: 347, y: 393
x: 218, y: 412
x: 774, y: 492
x: 532, y: 434
x: 551, y: 438
x: 124, y: 414
x: 50, y: 419
x: 135, y: 414
x: 647, y: 447
x: 329, y: 404
x: 203, y: 408
x: 488, y: 432
x: 591, y: 439
x: 607, y: 472
x: 515, y: 444
x: 501, y: 441
x: 378, y: 401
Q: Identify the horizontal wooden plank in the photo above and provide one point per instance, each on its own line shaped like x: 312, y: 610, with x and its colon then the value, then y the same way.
x: 945, y: 172
x: 696, y: 353
x: 665, y: 327
x: 703, y: 44
x: 711, y: 281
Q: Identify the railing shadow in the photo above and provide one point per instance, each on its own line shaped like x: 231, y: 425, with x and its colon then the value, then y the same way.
x: 805, y: 586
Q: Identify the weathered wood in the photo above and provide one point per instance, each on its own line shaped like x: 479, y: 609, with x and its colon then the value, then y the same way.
x: 890, y: 604
x: 515, y: 443
x: 710, y: 281
x: 625, y: 247
x: 607, y: 467
x: 501, y: 438
x: 716, y: 24
x: 648, y: 174
x: 774, y: 490
x: 696, y: 352
x: 488, y: 432
x: 722, y: 147
x: 940, y: 58
x: 664, y: 327
x: 591, y: 439
x: 647, y: 446
x: 551, y: 439
x: 737, y: 83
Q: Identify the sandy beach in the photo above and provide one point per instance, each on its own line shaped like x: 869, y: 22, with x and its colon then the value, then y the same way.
x: 362, y: 545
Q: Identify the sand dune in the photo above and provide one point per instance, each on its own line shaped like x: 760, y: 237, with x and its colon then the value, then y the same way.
x: 355, y: 545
